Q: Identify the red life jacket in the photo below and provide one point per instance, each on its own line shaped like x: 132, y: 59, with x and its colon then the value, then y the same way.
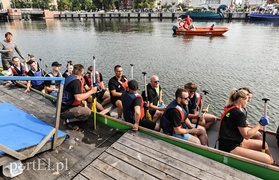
x: 87, y: 78
x: 226, y: 110
x: 15, y: 72
x: 199, y: 98
x: 124, y: 84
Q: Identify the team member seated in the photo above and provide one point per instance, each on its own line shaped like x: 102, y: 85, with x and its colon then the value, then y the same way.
x: 195, y: 104
x: 175, y: 120
x: 117, y: 85
x: 74, y: 105
x: 102, y: 95
x: 17, y: 69
x: 34, y: 71
x: 234, y: 135
x: 52, y: 87
x: 133, y: 109
x: 154, y: 95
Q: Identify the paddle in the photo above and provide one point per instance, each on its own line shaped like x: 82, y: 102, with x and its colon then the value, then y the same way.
x: 147, y: 113
x: 132, y: 71
x: 94, y: 104
x: 265, y: 115
x: 200, y: 111
x: 40, y: 67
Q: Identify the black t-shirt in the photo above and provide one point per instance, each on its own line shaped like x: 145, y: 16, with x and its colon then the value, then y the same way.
x: 229, y: 126
x: 174, y: 117
x: 192, y: 104
x: 74, y: 87
x: 136, y: 102
x: 115, y: 85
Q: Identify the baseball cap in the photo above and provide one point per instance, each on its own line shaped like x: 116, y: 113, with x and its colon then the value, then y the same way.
x: 133, y: 85
x: 55, y: 63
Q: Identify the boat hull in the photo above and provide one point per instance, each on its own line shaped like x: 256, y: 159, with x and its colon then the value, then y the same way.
x: 263, y: 17
x: 255, y: 168
x: 202, y: 15
x: 201, y: 31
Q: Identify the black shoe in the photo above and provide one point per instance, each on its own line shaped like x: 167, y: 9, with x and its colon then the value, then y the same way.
x: 108, y: 113
x: 70, y: 126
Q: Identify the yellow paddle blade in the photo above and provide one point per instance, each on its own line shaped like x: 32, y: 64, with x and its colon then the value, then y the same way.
x: 94, y: 109
x: 148, y: 115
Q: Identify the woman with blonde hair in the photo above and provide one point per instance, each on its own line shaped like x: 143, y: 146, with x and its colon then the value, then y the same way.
x: 234, y: 135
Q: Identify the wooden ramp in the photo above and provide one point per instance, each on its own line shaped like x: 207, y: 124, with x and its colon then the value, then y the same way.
x: 138, y: 156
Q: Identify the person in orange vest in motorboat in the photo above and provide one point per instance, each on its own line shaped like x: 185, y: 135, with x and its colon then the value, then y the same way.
x: 188, y: 23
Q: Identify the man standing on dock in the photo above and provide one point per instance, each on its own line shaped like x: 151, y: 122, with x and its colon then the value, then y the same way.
x: 7, y: 50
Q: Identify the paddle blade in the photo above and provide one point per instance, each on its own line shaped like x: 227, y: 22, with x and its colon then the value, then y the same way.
x: 148, y: 115
x: 94, y: 109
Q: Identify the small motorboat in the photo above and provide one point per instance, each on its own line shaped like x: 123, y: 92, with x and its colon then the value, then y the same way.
x: 200, y: 31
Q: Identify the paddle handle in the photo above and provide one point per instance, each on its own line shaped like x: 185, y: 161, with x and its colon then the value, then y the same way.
x: 200, y: 110
x: 132, y: 71
x: 265, y: 115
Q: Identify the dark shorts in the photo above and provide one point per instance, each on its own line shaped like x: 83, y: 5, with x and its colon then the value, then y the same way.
x: 113, y: 100
x: 227, y: 146
x: 147, y: 124
x: 100, y: 95
x: 39, y: 87
x: 152, y: 112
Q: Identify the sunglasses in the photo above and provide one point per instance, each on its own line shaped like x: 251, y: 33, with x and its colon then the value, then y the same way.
x: 187, y: 98
x: 156, y: 81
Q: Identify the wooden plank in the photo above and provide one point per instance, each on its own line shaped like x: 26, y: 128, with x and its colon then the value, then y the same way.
x: 204, y: 164
x: 92, y: 173
x: 119, y: 164
x: 164, y: 167
x: 145, y: 163
x: 80, y: 177
x: 110, y: 170
x: 167, y: 159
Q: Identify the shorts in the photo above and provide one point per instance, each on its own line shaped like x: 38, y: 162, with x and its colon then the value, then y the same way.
x: 182, y: 136
x: 100, y: 94
x: 147, y: 124
x: 226, y: 145
x: 113, y: 100
x: 39, y: 87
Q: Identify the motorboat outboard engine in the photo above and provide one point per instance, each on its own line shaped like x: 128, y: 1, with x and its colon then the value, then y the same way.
x: 174, y: 28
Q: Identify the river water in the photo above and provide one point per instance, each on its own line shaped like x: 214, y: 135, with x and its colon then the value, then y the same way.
x: 247, y: 55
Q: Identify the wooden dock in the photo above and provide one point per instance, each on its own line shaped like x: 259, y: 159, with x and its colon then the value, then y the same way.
x: 107, y: 154
x: 73, y: 155
x: 138, y: 156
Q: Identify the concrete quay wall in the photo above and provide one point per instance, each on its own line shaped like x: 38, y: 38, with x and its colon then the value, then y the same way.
x: 128, y: 15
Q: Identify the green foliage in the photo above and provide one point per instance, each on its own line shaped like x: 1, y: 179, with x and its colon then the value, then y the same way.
x: 43, y: 4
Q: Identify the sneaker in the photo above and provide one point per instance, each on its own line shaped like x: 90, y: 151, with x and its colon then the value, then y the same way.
x: 70, y: 126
